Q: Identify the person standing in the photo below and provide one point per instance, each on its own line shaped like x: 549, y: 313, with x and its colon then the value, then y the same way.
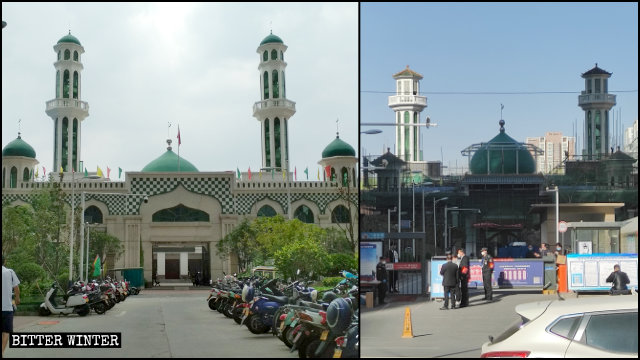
x: 449, y: 272
x: 487, y: 270
x: 619, y: 280
x: 381, y: 275
x: 10, y: 282
x: 393, y: 278
x: 464, y: 278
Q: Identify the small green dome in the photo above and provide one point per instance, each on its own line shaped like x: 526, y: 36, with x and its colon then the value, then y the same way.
x: 271, y: 39
x: 69, y: 39
x: 168, y: 162
x: 501, y: 152
x: 338, y: 148
x: 19, y: 147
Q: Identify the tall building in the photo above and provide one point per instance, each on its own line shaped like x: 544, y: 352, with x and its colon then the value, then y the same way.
x: 557, y: 149
x: 596, y: 102
x: 631, y: 140
x: 407, y: 105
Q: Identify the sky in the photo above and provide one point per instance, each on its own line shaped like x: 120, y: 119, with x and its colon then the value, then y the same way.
x: 488, y: 47
x: 194, y: 65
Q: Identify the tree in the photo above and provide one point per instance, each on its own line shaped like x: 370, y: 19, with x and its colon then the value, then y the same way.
x: 103, y: 245
x: 348, y: 195
x: 304, y: 254
x: 241, y: 241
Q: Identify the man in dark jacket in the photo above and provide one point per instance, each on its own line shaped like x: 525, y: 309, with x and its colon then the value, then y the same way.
x: 381, y: 275
x: 449, y: 272
x: 464, y: 278
x: 487, y: 270
x: 619, y: 280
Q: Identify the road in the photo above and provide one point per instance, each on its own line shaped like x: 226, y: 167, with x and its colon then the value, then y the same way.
x: 157, y: 323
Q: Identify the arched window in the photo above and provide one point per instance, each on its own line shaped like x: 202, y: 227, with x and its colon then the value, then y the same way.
x: 180, y: 213
x: 286, y: 140
x: 57, y: 84
x: 266, y: 211
x: 589, y: 130
x: 415, y: 138
x: 267, y: 142
x: 276, y: 134
x: 65, y: 142
x: 340, y: 215
x: 304, y: 214
x: 93, y: 215
x: 26, y: 174
x: 597, y: 129
x: 345, y: 176
x: 274, y: 54
x: 265, y: 55
x: 75, y: 56
x: 75, y: 84
x: 65, y: 84
x: 275, y: 88
x: 74, y: 155
x: 333, y: 174
x: 407, y: 137
x: 67, y: 54
x: 55, y: 147
x: 265, y: 81
x: 13, y: 180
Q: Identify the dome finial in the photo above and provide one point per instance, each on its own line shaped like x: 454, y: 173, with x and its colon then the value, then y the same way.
x: 337, y: 130
x: 169, y: 143
x: 501, y: 122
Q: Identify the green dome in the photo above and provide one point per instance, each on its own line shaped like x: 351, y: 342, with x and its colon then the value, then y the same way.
x: 502, y: 151
x: 19, y: 147
x: 69, y: 39
x: 338, y: 148
x: 168, y: 162
x: 271, y: 39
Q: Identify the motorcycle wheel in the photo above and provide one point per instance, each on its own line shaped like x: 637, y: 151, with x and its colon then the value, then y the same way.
x: 43, y: 311
x: 117, y: 298
x: 326, y: 353
x: 255, y: 325
x: 221, y: 305
x: 228, y: 310
x: 302, y: 348
x: 287, y: 336
x: 100, y: 308
x: 84, y: 310
x: 212, y: 303
x: 237, y: 315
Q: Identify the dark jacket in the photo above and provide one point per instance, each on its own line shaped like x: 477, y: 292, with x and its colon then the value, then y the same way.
x: 381, y: 272
x: 487, y: 263
x: 464, y: 267
x: 449, y: 272
x: 619, y: 280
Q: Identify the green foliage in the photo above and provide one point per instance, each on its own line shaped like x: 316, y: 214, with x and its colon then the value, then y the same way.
x: 241, y: 241
x: 331, y: 282
x: 338, y: 262
x: 104, y: 244
x: 304, y: 254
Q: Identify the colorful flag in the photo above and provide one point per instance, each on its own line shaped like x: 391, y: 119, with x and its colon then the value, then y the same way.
x: 86, y: 173
x: 179, y: 140
x: 119, y: 172
x: 318, y: 173
x: 260, y: 175
x: 96, y: 266
x: 239, y: 175
x: 100, y: 172
x: 61, y: 170
x: 36, y: 172
x: 295, y: 173
x: 283, y: 175
x: 306, y: 171
x: 44, y: 171
x: 108, y: 172
x: 327, y: 170
x: 249, y: 173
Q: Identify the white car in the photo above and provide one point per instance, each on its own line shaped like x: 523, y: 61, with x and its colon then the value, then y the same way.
x: 601, y: 326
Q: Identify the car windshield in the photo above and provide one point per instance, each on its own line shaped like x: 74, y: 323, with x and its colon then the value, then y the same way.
x: 517, y: 325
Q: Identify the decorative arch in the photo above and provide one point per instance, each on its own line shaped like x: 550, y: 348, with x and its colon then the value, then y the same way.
x: 67, y: 54
x: 93, y: 215
x: 65, y: 84
x: 75, y: 56
x: 274, y: 54
x: 75, y: 84
x: 267, y: 211
x: 180, y: 213
x: 340, y: 215
x: 304, y: 214
x: 265, y: 55
x: 13, y: 178
x: 26, y: 174
x: 345, y: 176
x: 265, y: 82
x: 275, y: 90
x: 267, y: 142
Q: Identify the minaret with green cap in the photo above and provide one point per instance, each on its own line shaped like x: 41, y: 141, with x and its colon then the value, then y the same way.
x: 274, y: 109
x: 67, y: 109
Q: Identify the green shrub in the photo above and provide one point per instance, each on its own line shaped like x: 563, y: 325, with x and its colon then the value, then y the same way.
x: 331, y: 281
x: 339, y: 262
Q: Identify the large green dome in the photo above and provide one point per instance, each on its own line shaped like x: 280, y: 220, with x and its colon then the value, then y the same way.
x: 69, y: 39
x: 19, y: 147
x: 338, y: 148
x: 168, y: 162
x: 271, y: 39
x: 502, y: 155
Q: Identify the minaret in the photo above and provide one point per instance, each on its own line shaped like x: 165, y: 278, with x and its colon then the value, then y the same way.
x: 596, y: 102
x: 273, y: 110
x: 408, y: 104
x: 66, y: 109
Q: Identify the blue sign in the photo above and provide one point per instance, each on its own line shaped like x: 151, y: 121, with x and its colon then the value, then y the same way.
x: 437, y: 291
x: 589, y: 272
x: 370, y: 253
x: 372, y: 235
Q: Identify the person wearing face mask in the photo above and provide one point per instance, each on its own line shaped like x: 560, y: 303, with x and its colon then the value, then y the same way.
x: 487, y: 270
x: 464, y: 278
x: 381, y: 275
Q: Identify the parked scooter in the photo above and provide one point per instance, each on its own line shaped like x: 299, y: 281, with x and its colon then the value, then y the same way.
x: 78, y: 303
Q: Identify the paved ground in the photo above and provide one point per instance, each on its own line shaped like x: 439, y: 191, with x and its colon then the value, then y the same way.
x: 158, y: 323
x: 441, y: 333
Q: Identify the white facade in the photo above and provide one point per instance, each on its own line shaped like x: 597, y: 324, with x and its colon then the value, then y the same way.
x: 631, y: 140
x: 596, y: 102
x: 407, y: 104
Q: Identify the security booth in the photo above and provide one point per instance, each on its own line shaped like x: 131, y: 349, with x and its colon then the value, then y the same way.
x: 135, y: 276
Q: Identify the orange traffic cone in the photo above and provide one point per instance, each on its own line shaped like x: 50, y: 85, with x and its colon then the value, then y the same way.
x: 408, y: 330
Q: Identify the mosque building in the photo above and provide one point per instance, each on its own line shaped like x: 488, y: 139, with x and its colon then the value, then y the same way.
x: 170, y: 215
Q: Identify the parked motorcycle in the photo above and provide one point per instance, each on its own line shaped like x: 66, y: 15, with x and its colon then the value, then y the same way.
x: 77, y: 303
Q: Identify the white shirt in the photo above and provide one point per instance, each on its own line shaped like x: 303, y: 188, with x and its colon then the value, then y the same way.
x: 9, y: 281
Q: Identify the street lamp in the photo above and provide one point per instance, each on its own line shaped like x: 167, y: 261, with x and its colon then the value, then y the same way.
x: 446, y: 229
x: 555, y: 190
x: 434, y: 222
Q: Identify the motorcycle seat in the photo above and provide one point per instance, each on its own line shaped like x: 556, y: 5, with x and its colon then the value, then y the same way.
x: 312, y: 305
x: 278, y: 299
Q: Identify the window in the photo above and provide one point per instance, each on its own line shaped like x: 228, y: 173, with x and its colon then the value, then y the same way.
x: 266, y: 211
x: 26, y: 175
x: 67, y: 54
x: 74, y: 155
x: 265, y: 56
x: 588, y: 81
x: 55, y: 142
x: 274, y: 54
x: 345, y: 176
x: 65, y: 84
x: 93, y: 215
x: 265, y: 82
x: 267, y: 143
x: 613, y: 332
x: 597, y: 131
x: 65, y: 142
x: 75, y: 84
x: 407, y: 137
x: 415, y: 87
x: 304, y: 214
x: 13, y: 180
x: 340, y: 215
x: 276, y: 135
x: 333, y: 174
x: 286, y: 141
x: 58, y: 84
x: 415, y: 137
x: 75, y: 56
x: 597, y: 86
x: 566, y: 327
x: 275, y: 88
x: 605, y: 86
x: 180, y: 213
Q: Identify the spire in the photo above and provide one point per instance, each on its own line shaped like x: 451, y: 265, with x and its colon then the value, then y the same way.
x: 169, y: 144
x: 501, y: 122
